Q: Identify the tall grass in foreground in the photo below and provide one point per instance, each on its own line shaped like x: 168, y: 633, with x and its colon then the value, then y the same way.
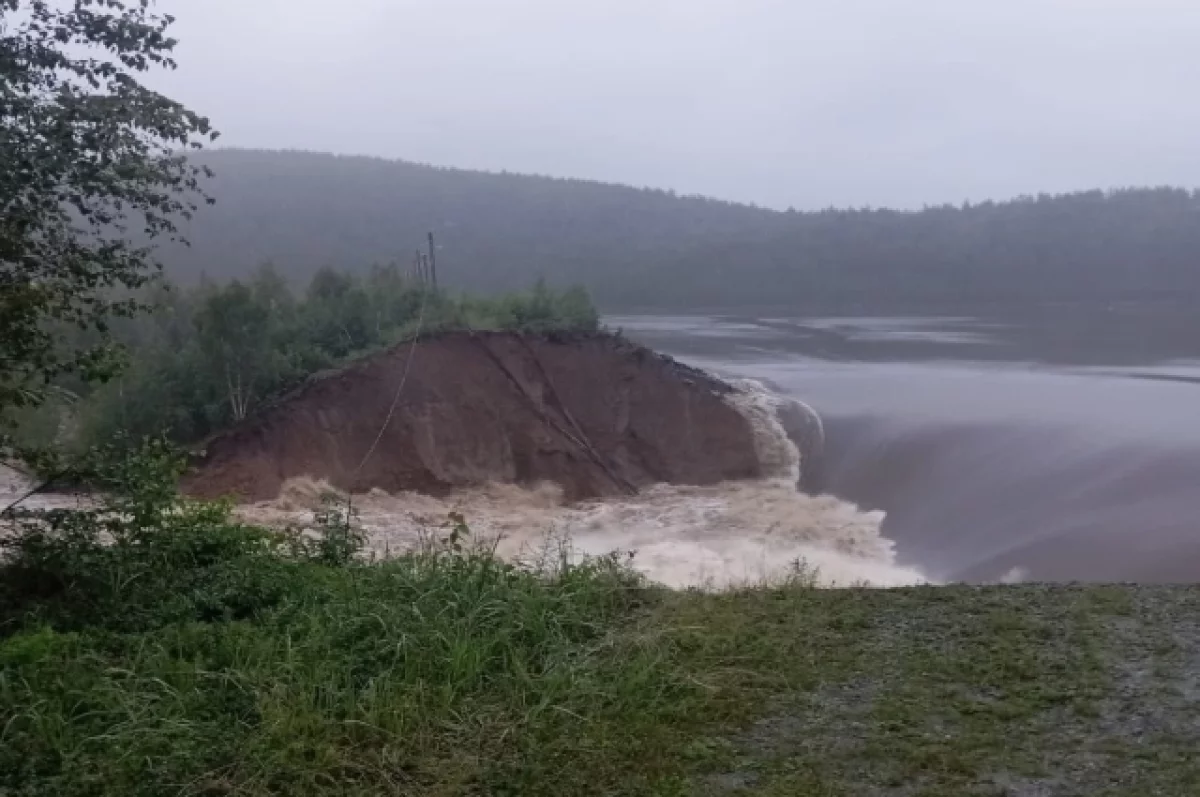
x: 154, y: 646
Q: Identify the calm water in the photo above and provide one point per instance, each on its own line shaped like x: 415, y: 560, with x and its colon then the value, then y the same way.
x: 1055, y: 445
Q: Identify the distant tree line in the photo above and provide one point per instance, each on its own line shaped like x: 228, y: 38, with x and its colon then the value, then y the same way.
x: 1091, y: 247
x: 644, y: 248
x: 207, y: 356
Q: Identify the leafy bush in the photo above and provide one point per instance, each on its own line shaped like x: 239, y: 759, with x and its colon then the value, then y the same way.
x: 143, y: 557
x: 152, y: 645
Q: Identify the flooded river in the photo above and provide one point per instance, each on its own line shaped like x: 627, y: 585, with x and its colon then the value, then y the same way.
x: 1053, y: 446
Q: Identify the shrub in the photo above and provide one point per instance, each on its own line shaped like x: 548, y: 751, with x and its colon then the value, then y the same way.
x: 141, y: 557
x: 152, y: 645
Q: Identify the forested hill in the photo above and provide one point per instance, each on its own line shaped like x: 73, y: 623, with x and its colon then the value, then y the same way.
x: 1093, y: 247
x: 648, y: 248
x: 303, y: 211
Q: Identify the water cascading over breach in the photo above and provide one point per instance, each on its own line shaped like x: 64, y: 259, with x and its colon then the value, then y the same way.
x: 713, y: 537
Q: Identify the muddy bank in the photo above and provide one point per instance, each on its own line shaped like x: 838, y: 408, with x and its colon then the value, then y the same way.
x: 597, y: 415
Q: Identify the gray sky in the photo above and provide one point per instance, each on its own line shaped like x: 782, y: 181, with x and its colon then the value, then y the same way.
x: 782, y: 102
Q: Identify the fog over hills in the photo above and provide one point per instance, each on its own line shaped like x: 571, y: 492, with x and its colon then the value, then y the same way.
x: 653, y: 248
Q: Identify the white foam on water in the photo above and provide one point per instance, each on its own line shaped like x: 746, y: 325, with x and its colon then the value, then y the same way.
x: 777, y: 454
x: 717, y: 537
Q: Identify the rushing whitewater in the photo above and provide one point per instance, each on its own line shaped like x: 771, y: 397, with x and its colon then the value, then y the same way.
x: 710, y: 537
x: 728, y: 535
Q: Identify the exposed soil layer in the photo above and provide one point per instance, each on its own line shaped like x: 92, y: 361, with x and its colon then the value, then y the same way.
x: 596, y: 414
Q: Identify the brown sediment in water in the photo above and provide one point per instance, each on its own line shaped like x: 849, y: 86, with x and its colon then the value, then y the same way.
x: 595, y: 414
x: 713, y: 537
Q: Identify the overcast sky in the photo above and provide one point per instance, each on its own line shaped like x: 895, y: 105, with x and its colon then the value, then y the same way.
x: 782, y: 102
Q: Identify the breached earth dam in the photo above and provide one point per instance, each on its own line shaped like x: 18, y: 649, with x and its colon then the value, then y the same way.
x: 928, y: 450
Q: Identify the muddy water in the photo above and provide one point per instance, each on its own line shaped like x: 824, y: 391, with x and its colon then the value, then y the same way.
x: 1044, y: 447
x: 715, y: 537
x: 1057, y: 446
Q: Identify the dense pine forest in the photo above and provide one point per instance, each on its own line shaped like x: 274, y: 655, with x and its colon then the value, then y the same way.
x: 653, y: 249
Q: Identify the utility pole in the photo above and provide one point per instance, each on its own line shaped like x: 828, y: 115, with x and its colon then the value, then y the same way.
x: 433, y: 262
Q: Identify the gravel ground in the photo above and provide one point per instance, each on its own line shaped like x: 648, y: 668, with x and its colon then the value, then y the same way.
x: 1027, y: 691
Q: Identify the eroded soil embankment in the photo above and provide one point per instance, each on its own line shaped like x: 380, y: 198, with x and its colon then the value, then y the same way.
x: 597, y: 415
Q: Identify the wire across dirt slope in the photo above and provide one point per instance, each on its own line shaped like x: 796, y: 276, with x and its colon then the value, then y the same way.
x: 595, y: 414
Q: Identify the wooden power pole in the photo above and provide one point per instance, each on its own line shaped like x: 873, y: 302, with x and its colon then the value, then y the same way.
x: 433, y: 262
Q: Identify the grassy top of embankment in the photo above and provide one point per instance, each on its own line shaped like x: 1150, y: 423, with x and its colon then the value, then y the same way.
x: 157, y: 647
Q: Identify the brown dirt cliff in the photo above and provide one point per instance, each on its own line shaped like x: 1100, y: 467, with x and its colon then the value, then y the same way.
x: 596, y: 414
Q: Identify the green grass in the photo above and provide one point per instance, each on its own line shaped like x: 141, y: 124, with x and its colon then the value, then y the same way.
x: 254, y: 667
x: 433, y: 674
x: 442, y: 674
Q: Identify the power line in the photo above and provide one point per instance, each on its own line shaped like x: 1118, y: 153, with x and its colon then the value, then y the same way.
x: 399, y: 388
